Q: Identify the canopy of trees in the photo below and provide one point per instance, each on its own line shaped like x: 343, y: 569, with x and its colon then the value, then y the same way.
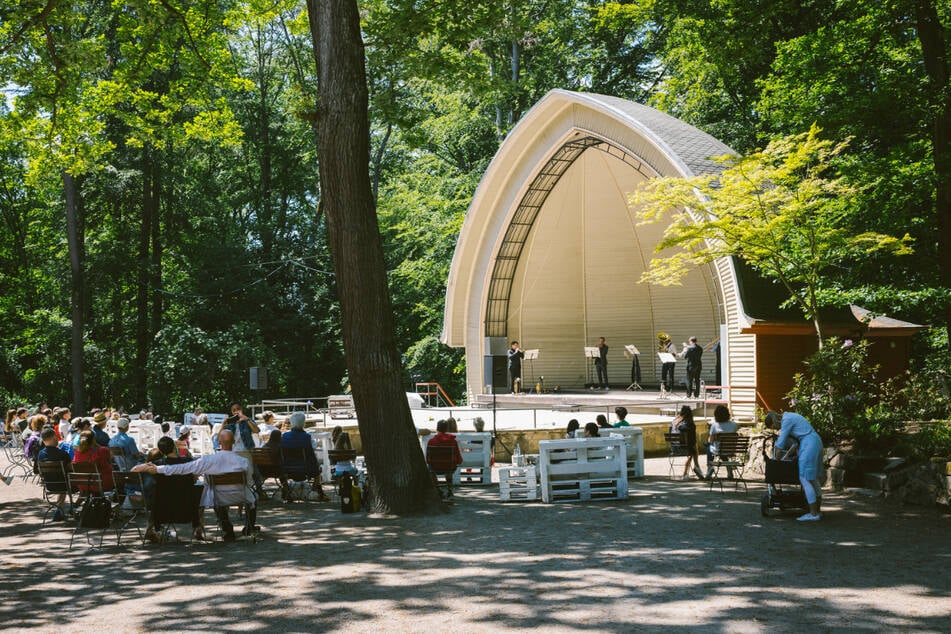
x: 159, y: 186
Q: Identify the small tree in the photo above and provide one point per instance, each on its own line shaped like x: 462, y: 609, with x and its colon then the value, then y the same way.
x: 783, y: 210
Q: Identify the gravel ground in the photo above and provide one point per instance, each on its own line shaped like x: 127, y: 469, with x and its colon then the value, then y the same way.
x: 674, y: 556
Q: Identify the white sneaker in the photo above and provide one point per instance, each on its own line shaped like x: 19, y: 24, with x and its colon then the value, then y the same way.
x: 809, y: 517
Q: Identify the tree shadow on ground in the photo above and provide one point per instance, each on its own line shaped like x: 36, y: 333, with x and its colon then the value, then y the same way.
x: 673, y: 555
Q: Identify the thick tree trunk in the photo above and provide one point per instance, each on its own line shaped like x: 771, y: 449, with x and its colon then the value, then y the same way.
x: 155, y: 268
x: 933, y: 37
x: 76, y: 245
x: 399, y: 479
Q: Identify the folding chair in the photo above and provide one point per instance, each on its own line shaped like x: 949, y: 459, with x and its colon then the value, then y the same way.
x: 300, y: 470
x: 677, y: 448
x: 177, y: 500
x: 732, y: 455
x: 16, y: 459
x: 53, y: 478
x: 86, y: 479
x: 229, y: 497
x: 442, y: 462
x: 269, y: 464
x: 129, y: 506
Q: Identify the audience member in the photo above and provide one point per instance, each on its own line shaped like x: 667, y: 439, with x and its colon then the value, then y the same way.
x: 721, y: 425
x: 89, y: 451
x: 51, y: 453
x: 592, y: 430
x: 621, y: 413
x: 443, y: 462
x: 131, y: 455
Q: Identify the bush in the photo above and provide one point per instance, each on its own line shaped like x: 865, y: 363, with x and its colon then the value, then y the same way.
x: 846, y: 402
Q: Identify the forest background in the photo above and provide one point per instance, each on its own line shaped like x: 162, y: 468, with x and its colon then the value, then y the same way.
x: 159, y: 190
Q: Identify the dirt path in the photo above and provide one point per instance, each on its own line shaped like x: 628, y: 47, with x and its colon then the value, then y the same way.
x: 673, y: 555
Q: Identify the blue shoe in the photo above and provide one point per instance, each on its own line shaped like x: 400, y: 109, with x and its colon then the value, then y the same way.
x: 58, y: 516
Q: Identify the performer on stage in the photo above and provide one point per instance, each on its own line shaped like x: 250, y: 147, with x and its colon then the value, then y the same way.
x: 666, y: 344
x: 601, y: 364
x: 692, y: 353
x: 515, y: 367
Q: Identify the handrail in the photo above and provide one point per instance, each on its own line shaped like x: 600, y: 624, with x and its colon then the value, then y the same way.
x: 439, y: 393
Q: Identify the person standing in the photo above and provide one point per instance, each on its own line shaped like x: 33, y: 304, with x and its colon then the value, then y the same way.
x: 692, y: 353
x: 601, y: 364
x: 795, y: 426
x: 666, y: 344
x: 515, y: 367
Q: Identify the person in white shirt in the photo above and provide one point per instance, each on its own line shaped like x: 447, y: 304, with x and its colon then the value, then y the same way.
x: 224, y: 461
x: 721, y: 425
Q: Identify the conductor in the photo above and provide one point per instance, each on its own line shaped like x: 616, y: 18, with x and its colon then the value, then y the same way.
x: 601, y: 364
x: 692, y: 353
x: 515, y: 366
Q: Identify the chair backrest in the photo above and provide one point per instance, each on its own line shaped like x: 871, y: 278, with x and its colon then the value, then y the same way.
x: 677, y: 442
x: 85, y: 477
x: 116, y: 451
x: 733, y: 444
x: 134, y: 480
x: 53, y: 475
x: 441, y: 458
x: 228, y: 488
x: 222, y: 479
x: 340, y: 455
x: 299, y: 462
x: 266, y: 457
x: 175, y: 499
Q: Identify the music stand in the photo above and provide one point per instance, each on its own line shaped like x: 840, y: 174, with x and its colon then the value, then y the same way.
x: 631, y: 351
x: 531, y: 355
x: 665, y: 357
x: 592, y: 353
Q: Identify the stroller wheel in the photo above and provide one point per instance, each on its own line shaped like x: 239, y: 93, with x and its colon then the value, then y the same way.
x: 765, y: 505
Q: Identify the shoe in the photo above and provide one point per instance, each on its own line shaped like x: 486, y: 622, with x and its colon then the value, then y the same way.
x: 228, y: 536
x: 152, y: 536
x: 709, y: 474
x: 699, y: 473
x: 252, y: 529
x: 324, y: 498
x: 198, y: 535
x: 8, y: 480
x: 809, y: 517
x: 58, y: 516
x: 685, y: 478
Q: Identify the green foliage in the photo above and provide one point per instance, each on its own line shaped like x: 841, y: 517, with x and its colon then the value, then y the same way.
x: 931, y: 441
x: 843, y: 397
x: 783, y: 210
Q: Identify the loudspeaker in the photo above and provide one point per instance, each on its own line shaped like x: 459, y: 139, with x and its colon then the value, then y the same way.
x: 258, y: 378
x: 496, y: 372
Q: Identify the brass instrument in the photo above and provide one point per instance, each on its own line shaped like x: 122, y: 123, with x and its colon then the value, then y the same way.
x: 663, y: 340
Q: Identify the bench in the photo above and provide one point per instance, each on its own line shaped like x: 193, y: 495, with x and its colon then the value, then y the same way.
x: 732, y: 455
x: 341, y: 406
x: 583, y: 469
x: 634, y: 437
x: 476, y: 450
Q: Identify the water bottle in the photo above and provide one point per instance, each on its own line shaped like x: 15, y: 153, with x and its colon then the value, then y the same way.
x: 517, y: 456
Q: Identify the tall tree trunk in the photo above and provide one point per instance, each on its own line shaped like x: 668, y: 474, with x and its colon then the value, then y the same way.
x: 143, y: 279
x: 76, y: 244
x: 933, y: 37
x: 399, y: 479
x: 155, y: 268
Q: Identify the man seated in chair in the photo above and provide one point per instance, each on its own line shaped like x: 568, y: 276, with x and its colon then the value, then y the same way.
x: 297, y: 438
x: 52, y: 453
x: 446, y: 457
x: 224, y: 461
x: 131, y: 455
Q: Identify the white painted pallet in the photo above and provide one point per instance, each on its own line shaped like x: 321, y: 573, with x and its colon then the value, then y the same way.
x: 518, y: 484
x: 583, y: 469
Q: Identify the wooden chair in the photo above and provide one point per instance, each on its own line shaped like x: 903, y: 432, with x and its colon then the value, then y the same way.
x: 129, y: 506
x: 177, y: 501
x: 732, y: 456
x: 53, y: 477
x: 302, y: 471
x: 442, y: 461
x: 225, y: 498
x: 676, y: 448
x: 86, y: 479
x: 269, y: 464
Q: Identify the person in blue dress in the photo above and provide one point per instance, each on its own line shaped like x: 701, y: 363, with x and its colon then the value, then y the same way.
x: 791, y: 427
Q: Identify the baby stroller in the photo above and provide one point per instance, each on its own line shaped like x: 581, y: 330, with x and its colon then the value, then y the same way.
x: 781, y: 478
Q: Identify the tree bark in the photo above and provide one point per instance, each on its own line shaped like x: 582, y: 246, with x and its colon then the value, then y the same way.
x: 399, y: 479
x: 76, y: 245
x: 143, y: 279
x: 933, y: 37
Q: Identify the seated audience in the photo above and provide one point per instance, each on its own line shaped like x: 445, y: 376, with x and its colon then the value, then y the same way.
x: 592, y: 430
x: 443, y: 462
x: 89, y: 451
x: 297, y: 438
x: 131, y: 455
x: 51, y: 453
x: 721, y: 425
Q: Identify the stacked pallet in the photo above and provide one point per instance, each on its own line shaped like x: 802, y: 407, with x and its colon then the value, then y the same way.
x: 583, y: 469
